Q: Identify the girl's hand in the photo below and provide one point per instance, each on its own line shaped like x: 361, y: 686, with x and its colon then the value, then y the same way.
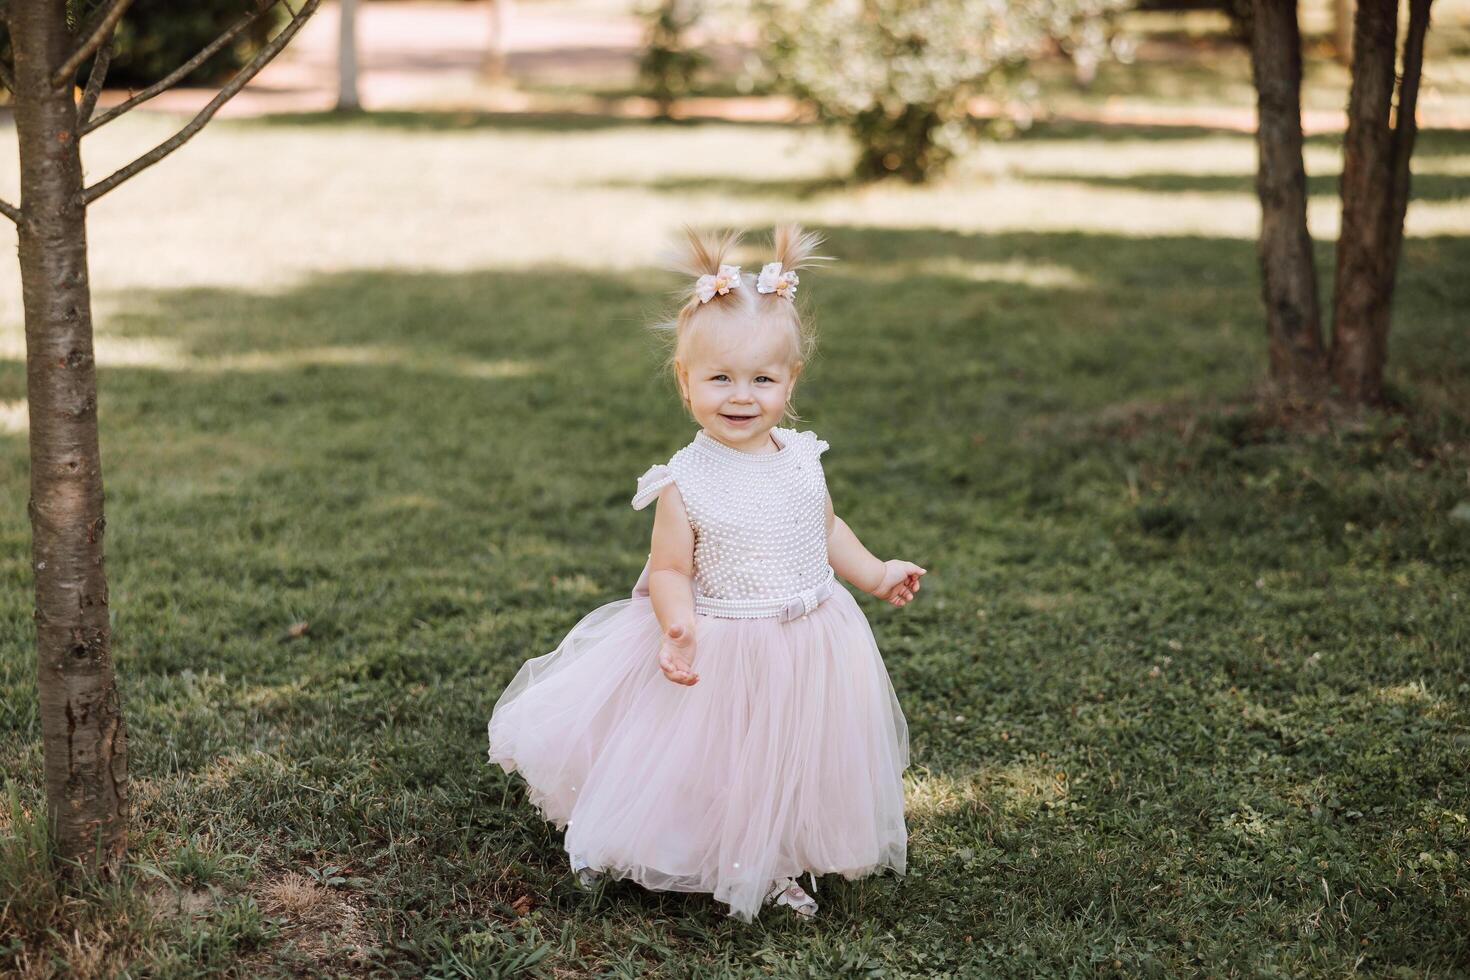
x: 676, y: 655
x: 900, y: 582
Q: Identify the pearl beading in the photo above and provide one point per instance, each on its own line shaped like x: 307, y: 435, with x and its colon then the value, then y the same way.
x: 759, y: 522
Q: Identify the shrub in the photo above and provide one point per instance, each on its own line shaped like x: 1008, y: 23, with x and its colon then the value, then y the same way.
x: 157, y: 36
x: 899, y: 75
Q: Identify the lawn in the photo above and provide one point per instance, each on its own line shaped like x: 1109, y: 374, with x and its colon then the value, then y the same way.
x: 1188, y: 695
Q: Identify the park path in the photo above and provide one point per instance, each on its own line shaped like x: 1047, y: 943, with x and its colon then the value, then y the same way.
x: 427, y: 54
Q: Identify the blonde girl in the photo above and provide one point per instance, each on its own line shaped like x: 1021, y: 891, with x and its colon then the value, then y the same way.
x: 730, y: 726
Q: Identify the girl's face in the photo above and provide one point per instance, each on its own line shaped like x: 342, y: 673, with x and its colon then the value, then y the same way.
x: 739, y: 393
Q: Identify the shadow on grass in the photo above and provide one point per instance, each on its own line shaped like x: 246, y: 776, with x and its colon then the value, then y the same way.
x: 1135, y: 680
x: 703, y: 88
x: 1016, y: 325
x: 1425, y: 187
x: 1088, y: 131
x: 1430, y: 142
x: 436, y: 121
x: 433, y: 121
x: 801, y: 189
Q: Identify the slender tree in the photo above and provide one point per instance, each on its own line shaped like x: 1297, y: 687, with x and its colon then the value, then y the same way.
x: 1288, y: 277
x: 497, y: 48
x: 347, y: 99
x: 1374, y: 192
x: 83, y: 731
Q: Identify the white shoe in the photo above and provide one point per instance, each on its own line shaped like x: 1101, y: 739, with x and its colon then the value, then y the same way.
x: 789, y: 893
x: 586, y: 877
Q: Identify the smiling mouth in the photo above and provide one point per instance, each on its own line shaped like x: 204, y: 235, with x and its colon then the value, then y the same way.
x: 737, y: 419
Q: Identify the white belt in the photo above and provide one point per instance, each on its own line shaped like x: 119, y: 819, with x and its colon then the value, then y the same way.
x: 798, y: 606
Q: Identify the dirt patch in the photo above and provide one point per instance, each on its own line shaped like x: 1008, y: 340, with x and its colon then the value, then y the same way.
x: 1252, y: 417
x: 322, y: 924
x: 166, y: 901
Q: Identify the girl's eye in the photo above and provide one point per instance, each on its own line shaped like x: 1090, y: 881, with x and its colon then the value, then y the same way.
x: 721, y: 377
x: 765, y: 378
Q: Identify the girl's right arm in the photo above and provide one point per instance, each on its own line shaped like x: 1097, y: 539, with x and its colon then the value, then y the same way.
x: 671, y: 585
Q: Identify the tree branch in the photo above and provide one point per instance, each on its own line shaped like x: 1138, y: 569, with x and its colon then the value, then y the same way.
x: 95, y: 78
x: 242, y: 77
x: 10, y: 211
x: 175, y: 76
x: 66, y: 74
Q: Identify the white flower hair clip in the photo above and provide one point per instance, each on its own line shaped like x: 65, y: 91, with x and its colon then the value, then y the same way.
x: 707, y: 287
x: 773, y: 280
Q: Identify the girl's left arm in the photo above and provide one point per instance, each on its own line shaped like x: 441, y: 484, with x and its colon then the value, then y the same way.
x: 894, y: 580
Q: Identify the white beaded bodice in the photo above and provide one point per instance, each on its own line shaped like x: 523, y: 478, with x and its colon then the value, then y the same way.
x: 759, y: 520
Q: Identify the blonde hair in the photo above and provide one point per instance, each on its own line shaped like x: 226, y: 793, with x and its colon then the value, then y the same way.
x: 729, y: 317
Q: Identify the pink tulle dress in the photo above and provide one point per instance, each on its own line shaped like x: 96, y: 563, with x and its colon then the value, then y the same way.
x: 786, y: 758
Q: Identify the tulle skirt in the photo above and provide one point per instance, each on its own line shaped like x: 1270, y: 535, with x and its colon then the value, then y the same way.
x: 786, y: 757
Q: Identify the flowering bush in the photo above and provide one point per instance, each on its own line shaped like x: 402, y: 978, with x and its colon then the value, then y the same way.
x: 900, y: 74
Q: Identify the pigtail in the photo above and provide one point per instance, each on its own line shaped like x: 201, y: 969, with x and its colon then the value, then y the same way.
x: 703, y: 257
x: 702, y: 253
x: 710, y: 284
x: 793, y: 248
x: 796, y: 248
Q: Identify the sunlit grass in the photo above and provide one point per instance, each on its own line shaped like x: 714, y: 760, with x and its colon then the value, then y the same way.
x: 428, y: 201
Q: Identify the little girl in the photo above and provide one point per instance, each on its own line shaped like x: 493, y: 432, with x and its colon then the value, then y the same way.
x: 731, y: 725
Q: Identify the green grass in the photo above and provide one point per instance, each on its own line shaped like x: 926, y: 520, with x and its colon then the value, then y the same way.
x: 1188, y: 695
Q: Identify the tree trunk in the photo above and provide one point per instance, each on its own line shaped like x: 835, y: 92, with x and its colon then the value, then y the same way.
x: 1342, y: 30
x: 347, y: 99
x: 497, y: 48
x: 83, y: 733
x: 1360, y: 302
x: 1288, y: 275
x: 1406, y: 129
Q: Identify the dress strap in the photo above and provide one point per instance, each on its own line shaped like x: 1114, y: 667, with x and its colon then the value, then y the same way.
x: 814, y: 444
x: 650, y: 483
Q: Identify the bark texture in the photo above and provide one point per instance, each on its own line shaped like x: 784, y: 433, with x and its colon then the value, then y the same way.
x: 84, y: 737
x: 1364, y: 271
x: 1288, y: 275
x: 1405, y: 131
